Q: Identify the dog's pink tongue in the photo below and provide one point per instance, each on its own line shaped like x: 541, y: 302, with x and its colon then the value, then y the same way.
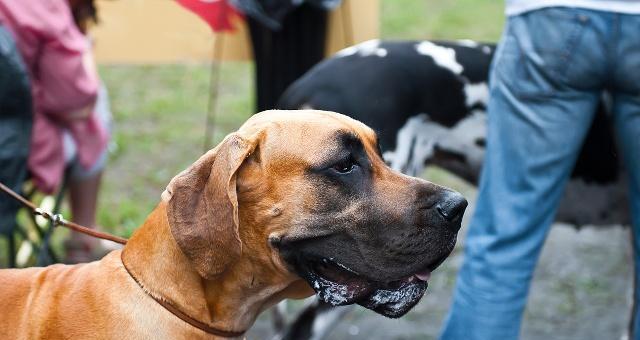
x: 424, y: 275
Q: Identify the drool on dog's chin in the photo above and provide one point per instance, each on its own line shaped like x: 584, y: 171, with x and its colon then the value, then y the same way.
x: 338, y: 284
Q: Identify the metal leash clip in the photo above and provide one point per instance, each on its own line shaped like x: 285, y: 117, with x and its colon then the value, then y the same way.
x: 56, y: 219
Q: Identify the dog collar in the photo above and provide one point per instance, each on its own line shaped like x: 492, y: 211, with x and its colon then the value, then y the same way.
x: 181, y: 315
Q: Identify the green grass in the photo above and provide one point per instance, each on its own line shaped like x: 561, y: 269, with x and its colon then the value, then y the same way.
x: 439, y: 19
x: 160, y: 113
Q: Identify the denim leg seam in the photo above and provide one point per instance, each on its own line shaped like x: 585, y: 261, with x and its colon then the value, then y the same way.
x: 611, y: 51
x: 571, y: 45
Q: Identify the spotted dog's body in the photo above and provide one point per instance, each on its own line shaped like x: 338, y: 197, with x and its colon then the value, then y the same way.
x: 427, y: 100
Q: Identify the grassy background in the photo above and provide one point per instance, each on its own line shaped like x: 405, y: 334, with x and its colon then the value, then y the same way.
x: 159, y: 111
x: 439, y: 19
x: 159, y: 114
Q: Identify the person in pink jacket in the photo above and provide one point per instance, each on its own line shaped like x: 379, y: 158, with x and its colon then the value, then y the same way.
x: 65, y: 84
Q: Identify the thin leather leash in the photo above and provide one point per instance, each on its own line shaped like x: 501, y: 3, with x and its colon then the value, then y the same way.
x: 58, y: 220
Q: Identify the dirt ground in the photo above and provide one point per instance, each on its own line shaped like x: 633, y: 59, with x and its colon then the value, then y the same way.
x: 581, y: 290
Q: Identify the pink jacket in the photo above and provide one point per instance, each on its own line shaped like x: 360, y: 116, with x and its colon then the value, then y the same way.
x: 52, y: 48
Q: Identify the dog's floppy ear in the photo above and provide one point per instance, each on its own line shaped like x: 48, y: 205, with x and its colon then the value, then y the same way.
x: 203, y: 207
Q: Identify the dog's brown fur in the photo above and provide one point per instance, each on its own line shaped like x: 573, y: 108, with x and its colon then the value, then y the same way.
x: 100, y: 300
x: 205, y: 248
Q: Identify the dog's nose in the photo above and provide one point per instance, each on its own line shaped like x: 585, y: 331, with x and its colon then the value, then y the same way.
x: 451, y: 206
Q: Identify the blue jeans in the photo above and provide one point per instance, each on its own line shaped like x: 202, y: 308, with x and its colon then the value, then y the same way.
x: 548, y: 73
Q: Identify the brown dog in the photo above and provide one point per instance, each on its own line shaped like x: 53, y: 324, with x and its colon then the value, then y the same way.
x: 288, y: 203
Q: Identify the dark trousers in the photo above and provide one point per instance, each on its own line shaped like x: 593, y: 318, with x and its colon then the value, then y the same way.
x: 283, y: 56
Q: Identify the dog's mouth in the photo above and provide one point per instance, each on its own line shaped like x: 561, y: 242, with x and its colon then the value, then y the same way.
x: 338, y: 285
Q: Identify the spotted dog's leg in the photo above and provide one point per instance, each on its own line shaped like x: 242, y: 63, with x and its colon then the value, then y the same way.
x: 415, y: 145
x: 315, y: 321
x: 279, y: 317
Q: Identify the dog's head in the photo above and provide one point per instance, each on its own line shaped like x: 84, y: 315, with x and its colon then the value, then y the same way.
x: 306, y: 194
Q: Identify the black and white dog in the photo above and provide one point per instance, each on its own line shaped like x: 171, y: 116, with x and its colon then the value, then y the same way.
x: 427, y: 100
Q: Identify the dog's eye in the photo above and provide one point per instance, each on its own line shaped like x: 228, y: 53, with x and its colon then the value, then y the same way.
x: 345, y: 166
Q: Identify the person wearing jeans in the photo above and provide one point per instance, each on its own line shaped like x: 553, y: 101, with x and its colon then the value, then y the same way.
x: 553, y: 63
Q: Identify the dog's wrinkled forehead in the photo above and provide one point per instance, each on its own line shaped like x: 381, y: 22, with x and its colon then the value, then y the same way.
x: 307, y: 134
x: 316, y: 120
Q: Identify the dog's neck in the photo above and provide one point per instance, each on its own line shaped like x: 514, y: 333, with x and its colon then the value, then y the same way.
x: 231, y: 302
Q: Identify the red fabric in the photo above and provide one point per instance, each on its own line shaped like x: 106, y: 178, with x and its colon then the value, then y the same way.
x: 52, y: 48
x: 217, y: 13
